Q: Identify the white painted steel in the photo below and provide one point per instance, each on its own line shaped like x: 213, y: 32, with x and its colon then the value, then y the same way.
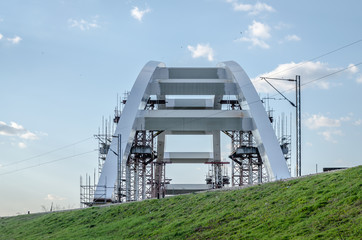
x: 264, y: 134
x: 189, y: 103
x: 188, y: 157
x: 194, y: 120
x: 136, y: 101
x: 193, y: 114
x: 157, y: 80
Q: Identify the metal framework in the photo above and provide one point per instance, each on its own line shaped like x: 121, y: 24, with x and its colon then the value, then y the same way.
x: 246, y: 166
x: 142, y: 178
x: 104, y: 137
x: 298, y: 119
x: 88, y: 192
x: 136, y: 170
x: 298, y: 126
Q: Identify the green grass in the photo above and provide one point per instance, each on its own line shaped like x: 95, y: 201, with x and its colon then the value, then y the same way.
x: 324, y: 206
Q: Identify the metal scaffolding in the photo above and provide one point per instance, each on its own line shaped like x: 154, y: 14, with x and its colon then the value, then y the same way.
x: 138, y: 171
x: 144, y: 175
x: 88, y: 195
x: 217, y: 176
x: 246, y: 165
x: 104, y: 138
x: 133, y: 157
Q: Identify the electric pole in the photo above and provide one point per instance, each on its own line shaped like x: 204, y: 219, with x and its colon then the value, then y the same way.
x: 298, y: 119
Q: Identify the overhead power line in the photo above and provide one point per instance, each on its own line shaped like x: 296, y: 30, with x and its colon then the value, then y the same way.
x: 298, y: 65
x: 314, y: 80
x: 322, y: 77
x: 48, y: 162
x: 320, y: 56
x: 317, y: 79
x: 328, y: 75
x: 46, y: 153
x: 311, y: 59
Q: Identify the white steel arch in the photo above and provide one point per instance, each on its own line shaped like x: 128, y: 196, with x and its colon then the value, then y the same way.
x: 264, y: 134
x: 136, y: 101
x: 155, y: 79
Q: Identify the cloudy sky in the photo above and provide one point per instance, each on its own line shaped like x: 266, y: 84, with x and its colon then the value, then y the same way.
x: 62, y: 64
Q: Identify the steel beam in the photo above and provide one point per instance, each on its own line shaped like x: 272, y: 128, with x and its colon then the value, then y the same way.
x: 194, y: 120
x: 157, y: 80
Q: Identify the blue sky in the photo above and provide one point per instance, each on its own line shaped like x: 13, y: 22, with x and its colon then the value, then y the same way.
x: 62, y: 64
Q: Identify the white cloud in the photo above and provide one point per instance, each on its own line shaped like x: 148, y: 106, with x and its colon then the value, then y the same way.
x: 358, y: 122
x: 345, y: 119
x: 359, y: 79
x: 307, y: 70
x: 256, y: 34
x: 255, y: 42
x: 292, y: 38
x: 330, y: 134
x: 15, y: 40
x: 1, y: 36
x: 52, y: 197
x: 138, y: 14
x: 16, y: 126
x: 14, y: 129
x: 331, y: 126
x: 83, y: 24
x: 318, y: 121
x: 352, y: 68
x: 255, y: 9
x: 29, y: 135
x: 21, y: 145
x: 202, y: 50
x: 259, y: 30
x: 281, y: 26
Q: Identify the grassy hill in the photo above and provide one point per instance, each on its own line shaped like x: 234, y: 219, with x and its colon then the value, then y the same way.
x: 325, y: 206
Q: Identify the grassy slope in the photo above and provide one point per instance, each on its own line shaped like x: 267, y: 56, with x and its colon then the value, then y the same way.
x: 326, y: 206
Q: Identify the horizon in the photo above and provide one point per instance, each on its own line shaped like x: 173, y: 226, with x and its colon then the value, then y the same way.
x: 63, y: 64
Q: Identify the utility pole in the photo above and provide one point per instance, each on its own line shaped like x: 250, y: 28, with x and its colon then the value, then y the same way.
x: 119, y: 167
x: 298, y: 124
x: 298, y: 119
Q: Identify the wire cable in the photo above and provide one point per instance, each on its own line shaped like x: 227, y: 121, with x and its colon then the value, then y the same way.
x: 328, y: 75
x: 320, y: 56
x: 325, y: 76
x: 314, y: 80
x: 48, y: 162
x: 46, y: 153
x: 298, y: 65
x: 254, y: 102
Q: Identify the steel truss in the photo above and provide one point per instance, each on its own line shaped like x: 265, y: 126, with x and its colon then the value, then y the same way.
x: 217, y: 178
x: 143, y: 177
x: 247, y: 165
x: 135, y: 168
x: 88, y: 196
x: 135, y: 177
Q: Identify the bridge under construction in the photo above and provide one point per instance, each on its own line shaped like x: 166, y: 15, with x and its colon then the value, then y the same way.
x: 186, y: 101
